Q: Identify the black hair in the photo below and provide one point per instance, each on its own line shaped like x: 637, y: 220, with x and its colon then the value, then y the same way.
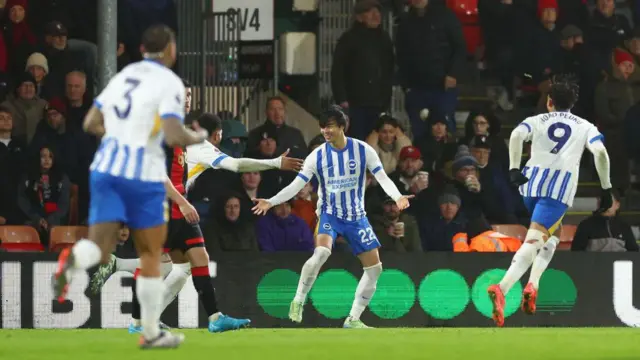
x: 564, y: 92
x: 210, y: 122
x: 4, y: 109
x: 386, y: 119
x: 156, y: 38
x: 333, y: 114
x: 186, y: 83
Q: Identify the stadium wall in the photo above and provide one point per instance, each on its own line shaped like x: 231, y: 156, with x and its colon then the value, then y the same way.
x: 415, y: 290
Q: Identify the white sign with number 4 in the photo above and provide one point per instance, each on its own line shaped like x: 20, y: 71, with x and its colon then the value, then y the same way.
x: 255, y: 19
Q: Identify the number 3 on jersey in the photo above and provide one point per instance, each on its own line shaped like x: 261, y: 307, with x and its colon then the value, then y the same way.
x: 133, y: 84
x: 561, y: 139
x: 367, y: 236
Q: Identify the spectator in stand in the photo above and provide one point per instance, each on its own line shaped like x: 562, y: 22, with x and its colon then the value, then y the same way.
x: 578, y: 59
x: 362, y: 69
x: 614, y: 97
x: 388, y: 139
x: 273, y: 180
x: 53, y: 131
x: 438, y: 146
x: 476, y: 203
x: 44, y: 193
x: 12, y: 159
x: 495, y: 183
x: 280, y: 230
x: 38, y: 66
x: 19, y: 38
x: 303, y: 205
x: 78, y: 104
x: 291, y: 138
x: 234, y: 138
x: 25, y: 106
x: 540, y: 54
x: 123, y: 56
x: 231, y: 228
x: 485, y: 123
x: 604, y: 232
x: 607, y: 31
x: 431, y: 53
x: 61, y: 59
x: 250, y: 188
x: 411, y: 179
x: 397, y: 231
x: 437, y: 230
x: 573, y: 12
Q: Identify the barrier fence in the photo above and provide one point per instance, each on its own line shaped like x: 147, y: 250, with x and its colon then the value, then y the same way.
x: 415, y: 290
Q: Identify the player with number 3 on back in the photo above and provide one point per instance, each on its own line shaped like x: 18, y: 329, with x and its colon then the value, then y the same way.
x: 340, y: 166
x: 548, y: 184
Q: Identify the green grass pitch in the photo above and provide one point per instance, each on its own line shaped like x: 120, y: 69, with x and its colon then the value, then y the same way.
x: 332, y: 344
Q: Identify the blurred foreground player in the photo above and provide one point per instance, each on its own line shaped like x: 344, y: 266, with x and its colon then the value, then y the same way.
x: 139, y: 108
x: 340, y: 165
x: 548, y: 184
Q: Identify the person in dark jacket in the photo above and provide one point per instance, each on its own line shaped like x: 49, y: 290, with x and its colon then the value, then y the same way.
x: 483, y: 122
x: 291, y: 137
x: 604, y: 232
x: 231, y: 228
x: 437, y: 231
x: 607, y: 30
x: 431, y: 53
x: 362, y: 69
x: 279, y: 230
x: 12, y: 159
x: 44, y: 193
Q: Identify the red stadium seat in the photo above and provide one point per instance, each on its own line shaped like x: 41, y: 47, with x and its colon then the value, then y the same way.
x: 65, y: 236
x: 516, y: 231
x: 467, y: 12
x: 19, y: 238
x: 567, y: 232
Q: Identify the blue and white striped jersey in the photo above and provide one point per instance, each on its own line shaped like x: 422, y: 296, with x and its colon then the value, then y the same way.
x: 342, y: 177
x: 558, y: 140
x: 133, y: 106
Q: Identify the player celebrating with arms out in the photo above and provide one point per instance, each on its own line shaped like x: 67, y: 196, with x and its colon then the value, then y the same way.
x: 340, y: 166
x: 141, y: 107
x: 548, y: 184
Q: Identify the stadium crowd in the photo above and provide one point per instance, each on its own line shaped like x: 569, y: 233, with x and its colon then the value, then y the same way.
x: 48, y: 67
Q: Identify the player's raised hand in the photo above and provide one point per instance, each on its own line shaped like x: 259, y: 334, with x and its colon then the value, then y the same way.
x: 262, y: 206
x: 190, y: 213
x: 290, y: 164
x: 516, y: 177
x: 403, y: 201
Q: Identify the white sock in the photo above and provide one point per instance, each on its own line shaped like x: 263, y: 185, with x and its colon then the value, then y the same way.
x: 542, y: 260
x: 215, y: 316
x: 522, y: 259
x: 310, y: 272
x: 135, y: 322
x: 127, y: 265
x: 86, y: 254
x: 174, y: 282
x: 365, y: 290
x: 150, y: 292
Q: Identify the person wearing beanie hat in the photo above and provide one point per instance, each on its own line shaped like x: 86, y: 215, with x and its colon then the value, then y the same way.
x: 464, y: 164
x: 437, y: 146
x: 25, y: 106
x: 438, y: 227
x: 397, y: 231
x: 548, y: 11
x: 38, y: 66
x: 624, y: 63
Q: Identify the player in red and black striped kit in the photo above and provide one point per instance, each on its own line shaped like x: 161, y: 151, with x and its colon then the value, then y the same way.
x: 185, y: 246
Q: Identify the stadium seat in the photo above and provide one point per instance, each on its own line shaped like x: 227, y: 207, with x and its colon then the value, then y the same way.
x: 19, y: 238
x: 65, y: 236
x: 566, y: 236
x: 516, y: 231
x: 73, y: 205
x: 467, y: 12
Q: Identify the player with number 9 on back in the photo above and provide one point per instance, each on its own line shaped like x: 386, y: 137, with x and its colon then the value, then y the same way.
x: 548, y: 184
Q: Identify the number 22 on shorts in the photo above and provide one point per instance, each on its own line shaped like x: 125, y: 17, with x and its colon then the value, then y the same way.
x: 367, y: 235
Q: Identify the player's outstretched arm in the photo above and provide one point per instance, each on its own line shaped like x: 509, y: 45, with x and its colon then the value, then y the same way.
x: 603, y: 166
x: 94, y: 122
x: 263, y: 205
x: 518, y: 137
x: 189, y: 212
x: 375, y: 166
x: 176, y: 134
x: 250, y: 165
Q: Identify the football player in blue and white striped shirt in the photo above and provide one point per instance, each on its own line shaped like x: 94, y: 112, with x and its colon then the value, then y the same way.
x: 340, y: 165
x: 548, y: 184
x: 141, y: 107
